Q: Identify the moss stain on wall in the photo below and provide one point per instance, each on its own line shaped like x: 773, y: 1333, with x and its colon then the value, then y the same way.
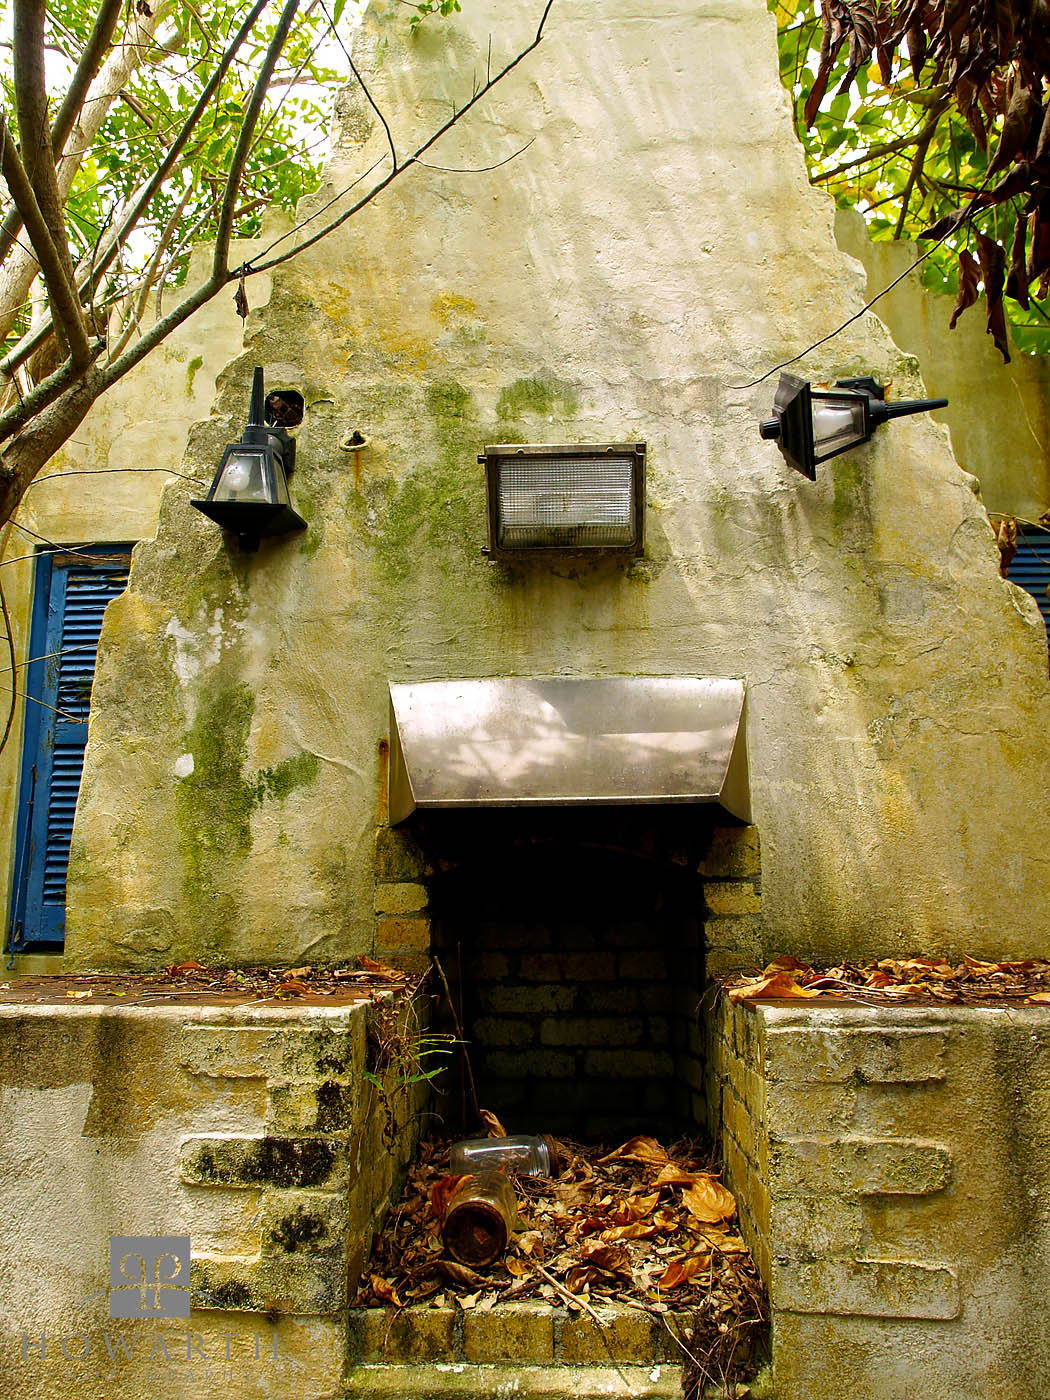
x: 191, y: 371
x: 540, y: 394
x: 213, y: 804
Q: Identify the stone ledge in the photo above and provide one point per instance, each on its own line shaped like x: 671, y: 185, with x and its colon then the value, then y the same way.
x: 868, y: 1288
x: 312, y: 1285
x: 464, y: 1381
x: 858, y: 1166
x: 866, y: 1054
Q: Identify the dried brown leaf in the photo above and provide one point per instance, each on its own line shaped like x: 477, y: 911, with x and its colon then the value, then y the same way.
x: 708, y: 1200
x: 442, y: 1191
x: 969, y: 276
x: 637, y: 1149
x: 778, y: 985
x: 682, y: 1270
x: 993, y: 269
x: 493, y: 1127
x: 293, y: 987
x: 385, y: 1291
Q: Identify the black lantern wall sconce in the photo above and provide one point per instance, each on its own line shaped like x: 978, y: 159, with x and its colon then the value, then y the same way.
x: 249, y: 495
x: 810, y: 425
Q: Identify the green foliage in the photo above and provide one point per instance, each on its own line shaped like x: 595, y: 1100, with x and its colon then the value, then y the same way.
x: 431, y: 7
x: 156, y: 100
x: 898, y: 126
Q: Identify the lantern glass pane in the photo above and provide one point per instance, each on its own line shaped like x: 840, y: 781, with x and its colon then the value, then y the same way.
x: 567, y: 502
x: 244, y: 477
x: 837, y: 424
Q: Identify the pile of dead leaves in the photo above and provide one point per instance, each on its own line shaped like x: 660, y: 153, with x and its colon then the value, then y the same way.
x: 916, y: 980
x: 191, y: 980
x: 640, y: 1226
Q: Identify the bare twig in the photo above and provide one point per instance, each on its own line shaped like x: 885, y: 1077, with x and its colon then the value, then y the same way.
x: 459, y: 1036
x: 564, y: 1293
x: 363, y: 85
x: 10, y: 637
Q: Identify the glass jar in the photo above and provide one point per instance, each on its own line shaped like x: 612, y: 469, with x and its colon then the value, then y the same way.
x: 480, y: 1217
x: 522, y: 1155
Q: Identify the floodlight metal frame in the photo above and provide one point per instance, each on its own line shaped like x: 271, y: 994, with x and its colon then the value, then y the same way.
x: 496, y: 454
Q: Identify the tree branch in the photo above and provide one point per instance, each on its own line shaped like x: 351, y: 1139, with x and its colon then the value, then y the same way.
x: 82, y: 79
x: 889, y: 148
x: 86, y: 73
x: 142, y: 197
x: 65, y: 309
x: 33, y: 130
x: 220, y: 261
x: 918, y: 159
x: 19, y: 272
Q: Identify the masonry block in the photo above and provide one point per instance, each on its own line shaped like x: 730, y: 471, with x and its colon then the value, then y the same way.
x: 814, y: 1227
x: 733, y: 853
x: 400, y: 898
x: 719, y: 962
x: 402, y: 935
x: 519, y: 1333
x: 323, y: 1052
x: 870, y: 1055
x: 731, y: 897
x: 413, y: 1335
x: 867, y: 1287
x: 643, y: 965
x: 230, y: 1052
x: 737, y: 932
x: 568, y: 967
x: 505, y: 1030
x: 528, y: 1000
x: 328, y: 1107
x: 630, y: 1064
x: 303, y: 1222
x: 398, y: 856
x: 514, y: 1063
x: 858, y: 1166
x: 807, y: 1110
x: 624, y: 1336
x: 584, y: 1030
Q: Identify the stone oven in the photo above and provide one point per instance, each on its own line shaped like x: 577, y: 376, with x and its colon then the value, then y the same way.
x: 575, y: 876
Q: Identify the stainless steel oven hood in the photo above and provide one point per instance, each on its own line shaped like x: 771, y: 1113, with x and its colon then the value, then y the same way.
x: 545, y: 741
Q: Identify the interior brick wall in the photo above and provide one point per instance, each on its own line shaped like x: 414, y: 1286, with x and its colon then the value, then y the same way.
x: 577, y: 946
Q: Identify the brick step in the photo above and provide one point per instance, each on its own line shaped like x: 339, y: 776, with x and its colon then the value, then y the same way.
x: 515, y: 1349
x: 472, y: 1381
x: 512, y: 1334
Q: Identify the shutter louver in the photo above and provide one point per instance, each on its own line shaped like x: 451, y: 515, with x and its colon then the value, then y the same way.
x: 72, y: 597
x: 1030, y: 568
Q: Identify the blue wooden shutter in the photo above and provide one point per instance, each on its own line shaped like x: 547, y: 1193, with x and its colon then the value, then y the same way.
x: 1030, y: 567
x: 71, y: 595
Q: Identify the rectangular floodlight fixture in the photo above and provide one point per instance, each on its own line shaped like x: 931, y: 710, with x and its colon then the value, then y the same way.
x: 582, y: 498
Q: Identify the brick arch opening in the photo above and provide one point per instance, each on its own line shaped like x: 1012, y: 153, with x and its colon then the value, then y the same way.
x: 576, y: 944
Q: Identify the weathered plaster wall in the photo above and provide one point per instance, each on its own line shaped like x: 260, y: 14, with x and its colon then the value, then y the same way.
x: 999, y: 415
x: 251, y: 1130
x: 654, y: 247
x: 141, y: 422
x: 890, y: 1165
